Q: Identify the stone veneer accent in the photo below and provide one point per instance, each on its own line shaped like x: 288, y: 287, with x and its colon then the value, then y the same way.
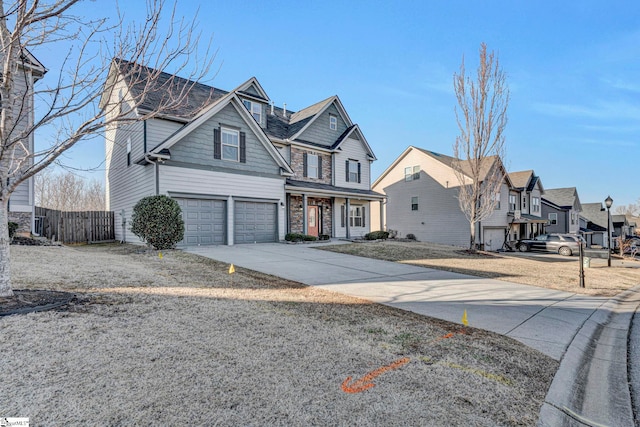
x: 23, y: 219
x: 297, y: 164
x: 295, y: 214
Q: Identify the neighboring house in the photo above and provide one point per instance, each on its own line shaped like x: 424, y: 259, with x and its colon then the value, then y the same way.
x: 620, y: 226
x: 422, y: 199
x: 21, y: 202
x: 561, y: 207
x: 525, y: 206
x: 595, y: 232
x: 243, y: 170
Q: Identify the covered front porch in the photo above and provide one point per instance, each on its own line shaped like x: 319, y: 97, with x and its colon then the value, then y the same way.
x: 324, y: 210
x: 526, y: 227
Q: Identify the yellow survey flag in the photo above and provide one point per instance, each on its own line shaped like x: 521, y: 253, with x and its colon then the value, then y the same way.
x: 232, y: 269
x: 160, y: 255
x: 465, y: 322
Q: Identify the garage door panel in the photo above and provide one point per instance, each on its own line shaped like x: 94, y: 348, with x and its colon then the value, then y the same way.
x: 255, y: 222
x: 205, y: 221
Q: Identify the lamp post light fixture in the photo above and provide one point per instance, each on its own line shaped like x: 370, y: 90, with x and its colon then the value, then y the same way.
x: 608, y: 202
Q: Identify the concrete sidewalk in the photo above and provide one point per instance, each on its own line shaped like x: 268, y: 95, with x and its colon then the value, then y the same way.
x: 544, y: 319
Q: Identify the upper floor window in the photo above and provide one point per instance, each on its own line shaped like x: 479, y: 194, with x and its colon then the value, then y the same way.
x: 230, y: 145
x: 352, y: 171
x: 333, y: 122
x: 573, y: 218
x: 312, y: 165
x: 496, y: 197
x: 414, y: 203
x: 553, y: 218
x: 535, y: 204
x: 128, y: 151
x: 524, y: 203
x: 411, y: 173
x: 512, y: 202
x: 255, y: 109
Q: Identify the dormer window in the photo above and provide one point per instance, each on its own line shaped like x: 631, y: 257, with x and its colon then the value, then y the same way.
x: 333, y: 122
x: 255, y: 109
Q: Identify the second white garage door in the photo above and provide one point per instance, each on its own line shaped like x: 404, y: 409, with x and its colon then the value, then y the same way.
x: 255, y: 222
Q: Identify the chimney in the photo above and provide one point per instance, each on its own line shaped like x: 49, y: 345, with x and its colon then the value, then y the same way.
x: 272, y: 108
x: 284, y: 112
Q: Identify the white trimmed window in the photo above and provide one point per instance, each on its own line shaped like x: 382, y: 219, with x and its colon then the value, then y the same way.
x: 230, y: 144
x: 553, y: 218
x: 353, y: 171
x: 333, y: 122
x: 255, y: 109
x: 496, y: 198
x: 355, y: 216
x: 312, y: 165
x: 414, y: 203
x: 128, y: 151
x: 512, y: 202
x: 535, y: 204
x: 412, y: 173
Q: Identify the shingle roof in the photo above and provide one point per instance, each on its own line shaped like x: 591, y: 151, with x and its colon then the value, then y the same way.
x: 521, y: 179
x: 332, y: 188
x: 465, y: 165
x: 278, y: 125
x: 595, y: 213
x: 564, y: 197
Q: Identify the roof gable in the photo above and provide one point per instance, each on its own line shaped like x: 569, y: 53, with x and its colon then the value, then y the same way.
x: 230, y: 99
x: 565, y: 197
x: 253, y: 88
x: 311, y: 114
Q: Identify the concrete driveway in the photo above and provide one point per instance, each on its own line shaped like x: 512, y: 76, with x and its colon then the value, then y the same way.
x: 544, y: 319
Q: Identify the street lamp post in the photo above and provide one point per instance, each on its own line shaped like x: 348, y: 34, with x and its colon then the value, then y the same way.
x: 608, y: 202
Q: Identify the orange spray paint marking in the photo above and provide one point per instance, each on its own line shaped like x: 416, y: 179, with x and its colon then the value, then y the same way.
x: 365, y: 383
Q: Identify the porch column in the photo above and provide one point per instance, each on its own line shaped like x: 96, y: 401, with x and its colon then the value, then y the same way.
x: 347, y: 212
x: 287, y: 214
x: 382, y: 215
x: 305, y: 214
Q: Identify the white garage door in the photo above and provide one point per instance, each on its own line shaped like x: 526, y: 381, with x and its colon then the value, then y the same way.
x: 493, y: 238
x: 255, y: 222
x: 204, y: 221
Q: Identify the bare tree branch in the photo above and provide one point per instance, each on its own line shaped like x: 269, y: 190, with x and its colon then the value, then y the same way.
x: 101, y: 56
x: 480, y: 148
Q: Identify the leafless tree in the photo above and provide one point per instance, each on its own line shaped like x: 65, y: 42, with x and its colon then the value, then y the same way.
x: 68, y: 106
x: 68, y: 192
x: 480, y: 148
x: 632, y: 209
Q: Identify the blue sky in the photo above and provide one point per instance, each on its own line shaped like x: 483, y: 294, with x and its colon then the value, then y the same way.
x: 572, y: 67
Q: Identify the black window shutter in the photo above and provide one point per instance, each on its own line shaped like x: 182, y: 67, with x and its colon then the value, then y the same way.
x: 217, y: 144
x: 243, y: 147
x: 358, y: 172
x: 304, y: 165
x: 363, y: 215
x: 342, y: 215
x: 346, y: 167
x: 319, y: 166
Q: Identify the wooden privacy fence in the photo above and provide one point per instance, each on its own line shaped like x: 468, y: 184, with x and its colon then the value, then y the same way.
x: 75, y: 227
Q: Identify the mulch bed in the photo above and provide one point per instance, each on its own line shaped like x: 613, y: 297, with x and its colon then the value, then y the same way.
x: 31, y: 300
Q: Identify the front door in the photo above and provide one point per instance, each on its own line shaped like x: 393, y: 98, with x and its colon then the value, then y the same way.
x: 312, y: 221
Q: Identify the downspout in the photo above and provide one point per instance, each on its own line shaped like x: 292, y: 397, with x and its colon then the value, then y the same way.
x: 156, y: 173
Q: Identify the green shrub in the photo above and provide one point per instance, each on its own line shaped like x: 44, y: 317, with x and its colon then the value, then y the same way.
x: 411, y: 236
x: 298, y: 237
x: 13, y: 227
x: 157, y: 220
x: 324, y: 237
x: 376, y: 235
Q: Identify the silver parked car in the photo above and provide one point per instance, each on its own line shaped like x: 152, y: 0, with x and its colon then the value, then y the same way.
x: 563, y: 244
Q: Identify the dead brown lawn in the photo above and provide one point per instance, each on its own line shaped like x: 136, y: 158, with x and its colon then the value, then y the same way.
x: 178, y: 340
x: 555, y: 272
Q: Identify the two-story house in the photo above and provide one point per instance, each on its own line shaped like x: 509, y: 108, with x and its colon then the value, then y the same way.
x: 525, y: 206
x: 422, y: 199
x: 243, y: 170
x: 21, y: 202
x: 561, y: 207
x: 597, y: 224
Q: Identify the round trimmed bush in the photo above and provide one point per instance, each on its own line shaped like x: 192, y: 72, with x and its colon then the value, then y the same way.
x: 157, y: 220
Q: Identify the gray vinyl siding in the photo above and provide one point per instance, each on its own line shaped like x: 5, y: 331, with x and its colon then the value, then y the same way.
x: 352, y: 150
x: 197, y: 147
x: 563, y: 219
x: 340, y: 230
x: 252, y: 90
x: 438, y: 218
x: 127, y: 184
x: 20, y: 197
x: 158, y: 130
x: 319, y: 131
